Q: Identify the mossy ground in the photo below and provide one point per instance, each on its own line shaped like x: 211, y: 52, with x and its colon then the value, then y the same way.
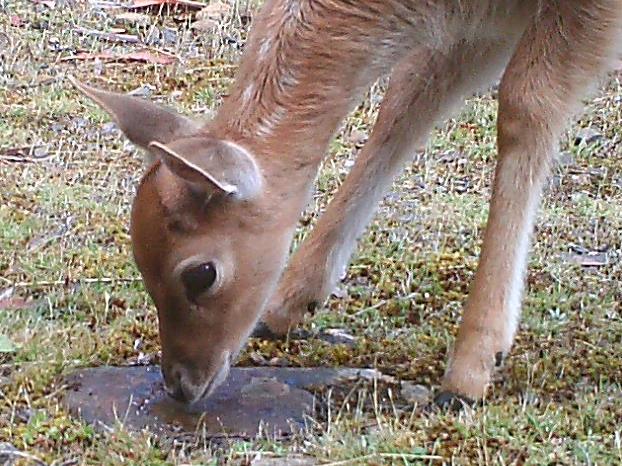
x: 77, y: 300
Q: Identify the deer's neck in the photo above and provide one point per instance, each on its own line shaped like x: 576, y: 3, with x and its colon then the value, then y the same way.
x: 293, y: 88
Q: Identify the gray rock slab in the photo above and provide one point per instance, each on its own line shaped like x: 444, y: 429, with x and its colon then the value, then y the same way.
x: 272, y: 400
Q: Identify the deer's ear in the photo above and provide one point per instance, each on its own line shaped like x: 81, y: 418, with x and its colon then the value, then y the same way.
x: 141, y: 121
x: 212, y: 165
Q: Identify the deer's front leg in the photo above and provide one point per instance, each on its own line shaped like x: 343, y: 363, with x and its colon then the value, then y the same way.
x: 318, y: 264
x: 423, y: 87
x: 551, y: 70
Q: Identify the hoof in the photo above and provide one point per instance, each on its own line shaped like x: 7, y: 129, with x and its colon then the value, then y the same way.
x: 451, y: 401
x: 262, y: 331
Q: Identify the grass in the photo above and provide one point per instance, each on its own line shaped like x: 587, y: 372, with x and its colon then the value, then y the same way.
x: 75, y: 300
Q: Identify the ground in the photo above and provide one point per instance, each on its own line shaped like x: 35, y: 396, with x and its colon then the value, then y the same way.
x: 70, y: 295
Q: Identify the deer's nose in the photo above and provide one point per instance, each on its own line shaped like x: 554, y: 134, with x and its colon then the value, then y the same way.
x: 179, y: 385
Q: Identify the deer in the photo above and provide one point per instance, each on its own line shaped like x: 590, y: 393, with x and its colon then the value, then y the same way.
x: 215, y: 213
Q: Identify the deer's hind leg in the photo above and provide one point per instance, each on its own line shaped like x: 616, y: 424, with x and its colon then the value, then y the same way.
x: 566, y: 46
x: 423, y: 88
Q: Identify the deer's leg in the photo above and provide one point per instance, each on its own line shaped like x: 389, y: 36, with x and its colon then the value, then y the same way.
x: 568, y: 43
x: 422, y: 88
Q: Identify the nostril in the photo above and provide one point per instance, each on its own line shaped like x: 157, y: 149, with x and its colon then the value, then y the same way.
x: 186, y: 385
x: 177, y: 393
x: 173, y: 384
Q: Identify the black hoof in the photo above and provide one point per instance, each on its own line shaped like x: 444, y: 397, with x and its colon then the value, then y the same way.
x: 262, y: 331
x: 300, y: 334
x: 452, y: 402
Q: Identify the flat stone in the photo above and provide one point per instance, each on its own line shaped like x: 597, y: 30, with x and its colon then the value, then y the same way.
x: 590, y: 259
x: 587, y: 136
x: 272, y: 400
x: 8, y: 454
x: 415, y: 394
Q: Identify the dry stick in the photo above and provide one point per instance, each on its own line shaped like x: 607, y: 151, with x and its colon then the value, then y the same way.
x: 109, y: 36
x: 22, y: 154
x: 410, y: 456
x: 384, y: 455
x: 78, y: 280
x: 379, y: 304
x: 43, y: 82
x: 18, y: 159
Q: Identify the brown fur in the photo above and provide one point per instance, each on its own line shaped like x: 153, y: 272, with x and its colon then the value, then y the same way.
x: 306, y: 64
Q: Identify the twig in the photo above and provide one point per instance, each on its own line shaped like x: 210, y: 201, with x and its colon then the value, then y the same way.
x: 410, y: 456
x: 380, y: 304
x: 110, y: 36
x: 21, y: 154
x: 201, y: 69
x: 73, y: 281
x: 43, y: 82
x: 103, y: 4
x: 16, y: 159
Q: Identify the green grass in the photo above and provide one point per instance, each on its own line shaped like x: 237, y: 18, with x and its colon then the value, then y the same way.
x: 64, y: 248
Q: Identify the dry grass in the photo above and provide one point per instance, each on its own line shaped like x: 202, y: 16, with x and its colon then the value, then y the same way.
x: 75, y: 300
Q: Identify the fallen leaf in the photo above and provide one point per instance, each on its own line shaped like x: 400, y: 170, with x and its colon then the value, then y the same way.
x: 6, y: 345
x: 144, y: 56
x: 156, y: 5
x: 10, y: 304
x: 16, y: 21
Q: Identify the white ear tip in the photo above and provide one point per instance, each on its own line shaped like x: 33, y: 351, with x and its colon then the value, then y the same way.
x: 229, y: 189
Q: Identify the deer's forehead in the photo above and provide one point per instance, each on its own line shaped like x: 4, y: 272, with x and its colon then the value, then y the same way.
x: 165, y: 201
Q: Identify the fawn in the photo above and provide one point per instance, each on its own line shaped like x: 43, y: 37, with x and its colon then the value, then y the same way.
x: 215, y: 213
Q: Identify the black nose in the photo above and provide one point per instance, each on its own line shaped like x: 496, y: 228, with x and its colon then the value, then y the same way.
x: 177, y: 393
x: 174, y: 385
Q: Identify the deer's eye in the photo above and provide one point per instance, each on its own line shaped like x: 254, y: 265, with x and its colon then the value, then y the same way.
x: 197, y: 279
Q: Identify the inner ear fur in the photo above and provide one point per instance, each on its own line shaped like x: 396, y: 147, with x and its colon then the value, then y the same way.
x: 212, y: 165
x: 140, y: 120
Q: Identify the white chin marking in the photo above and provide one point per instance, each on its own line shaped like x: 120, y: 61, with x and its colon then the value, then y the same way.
x: 219, y: 378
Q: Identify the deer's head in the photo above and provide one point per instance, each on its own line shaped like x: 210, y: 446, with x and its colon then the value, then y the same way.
x: 208, y: 245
